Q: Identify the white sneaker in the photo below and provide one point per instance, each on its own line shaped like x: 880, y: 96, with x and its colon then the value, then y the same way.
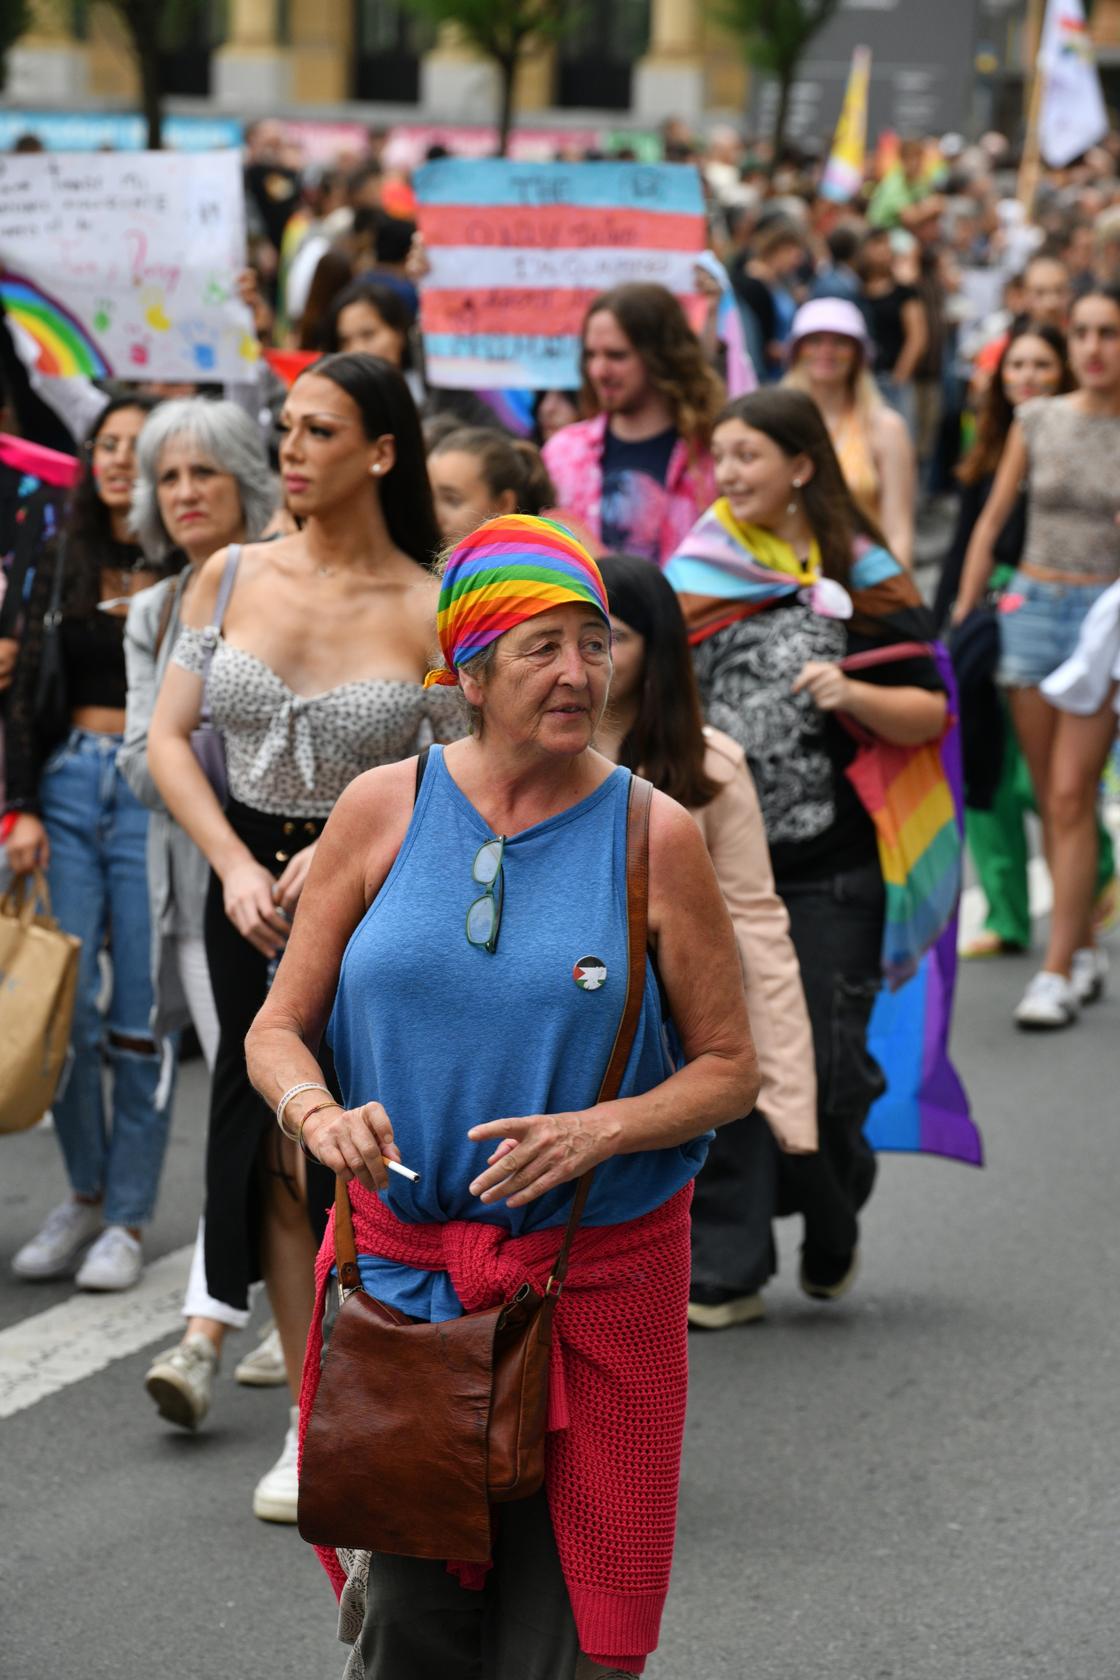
x: 1088, y: 973
x: 114, y: 1262
x: 264, y: 1367
x: 56, y: 1249
x: 180, y: 1380
x: 277, y: 1493
x: 1049, y: 1001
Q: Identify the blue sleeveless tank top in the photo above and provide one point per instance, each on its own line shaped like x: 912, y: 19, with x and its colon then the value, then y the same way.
x: 446, y: 1035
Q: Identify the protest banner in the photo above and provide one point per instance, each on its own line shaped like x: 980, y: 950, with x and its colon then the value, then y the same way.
x: 125, y: 266
x: 519, y: 250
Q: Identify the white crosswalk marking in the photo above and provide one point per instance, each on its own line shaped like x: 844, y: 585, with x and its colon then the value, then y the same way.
x: 53, y: 1349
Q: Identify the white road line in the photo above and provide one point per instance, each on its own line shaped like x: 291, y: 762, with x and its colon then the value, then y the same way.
x: 53, y: 1349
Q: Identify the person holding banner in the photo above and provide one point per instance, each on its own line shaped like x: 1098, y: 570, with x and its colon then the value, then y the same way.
x: 76, y: 817
x: 638, y: 472
x: 781, y: 581
x: 314, y: 675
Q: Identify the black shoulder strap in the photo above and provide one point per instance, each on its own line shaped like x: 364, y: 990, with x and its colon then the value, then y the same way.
x: 421, y: 766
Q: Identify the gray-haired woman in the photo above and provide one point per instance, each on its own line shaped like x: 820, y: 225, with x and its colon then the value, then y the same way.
x: 202, y: 482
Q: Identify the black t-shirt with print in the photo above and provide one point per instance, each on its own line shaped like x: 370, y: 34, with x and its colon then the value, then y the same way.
x: 815, y: 824
x: 633, y: 496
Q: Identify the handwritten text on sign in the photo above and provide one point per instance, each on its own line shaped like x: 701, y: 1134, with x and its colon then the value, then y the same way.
x: 518, y: 252
x: 125, y: 265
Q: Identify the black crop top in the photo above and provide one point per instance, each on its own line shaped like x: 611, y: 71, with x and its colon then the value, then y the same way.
x: 93, y: 659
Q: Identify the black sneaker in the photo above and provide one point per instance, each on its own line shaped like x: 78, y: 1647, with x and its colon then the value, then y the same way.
x: 825, y: 1276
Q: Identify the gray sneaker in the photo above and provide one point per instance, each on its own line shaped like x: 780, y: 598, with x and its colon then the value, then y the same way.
x: 264, y: 1367
x: 54, y: 1251
x: 180, y: 1380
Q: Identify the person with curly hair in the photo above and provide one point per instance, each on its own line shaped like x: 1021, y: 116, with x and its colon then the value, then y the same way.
x: 637, y: 472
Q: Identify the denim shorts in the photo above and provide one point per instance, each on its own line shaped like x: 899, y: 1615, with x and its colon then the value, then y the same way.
x: 1039, y: 624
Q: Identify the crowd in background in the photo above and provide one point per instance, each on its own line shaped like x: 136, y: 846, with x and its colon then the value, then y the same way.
x: 934, y: 339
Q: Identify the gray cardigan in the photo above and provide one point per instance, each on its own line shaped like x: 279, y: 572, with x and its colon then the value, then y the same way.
x: 178, y: 874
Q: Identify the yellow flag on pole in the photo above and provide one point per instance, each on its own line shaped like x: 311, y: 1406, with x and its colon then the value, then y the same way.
x: 843, y: 174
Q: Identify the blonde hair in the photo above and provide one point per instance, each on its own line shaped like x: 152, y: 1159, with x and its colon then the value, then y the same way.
x: 864, y: 393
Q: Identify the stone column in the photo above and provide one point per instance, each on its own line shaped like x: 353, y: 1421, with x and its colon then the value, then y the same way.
x: 669, y: 80
x: 322, y: 50
x: 456, y: 84
x: 252, y: 71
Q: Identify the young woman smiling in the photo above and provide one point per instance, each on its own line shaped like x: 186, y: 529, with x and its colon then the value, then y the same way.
x: 316, y: 675
x: 1065, y: 450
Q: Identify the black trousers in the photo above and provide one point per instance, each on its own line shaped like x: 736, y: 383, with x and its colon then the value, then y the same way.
x: 239, y: 1120
x: 836, y: 924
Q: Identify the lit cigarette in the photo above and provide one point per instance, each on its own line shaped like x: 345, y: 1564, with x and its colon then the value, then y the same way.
x: 405, y: 1172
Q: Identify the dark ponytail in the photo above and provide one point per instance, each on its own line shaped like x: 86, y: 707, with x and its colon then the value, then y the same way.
x: 504, y: 463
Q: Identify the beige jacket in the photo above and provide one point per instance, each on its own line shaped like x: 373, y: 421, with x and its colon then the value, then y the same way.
x: 736, y: 840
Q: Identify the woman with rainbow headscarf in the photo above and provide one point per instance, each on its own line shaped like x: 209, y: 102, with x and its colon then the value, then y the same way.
x: 782, y: 581
x: 462, y: 940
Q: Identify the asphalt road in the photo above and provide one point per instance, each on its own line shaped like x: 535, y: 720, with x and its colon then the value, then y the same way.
x: 921, y: 1482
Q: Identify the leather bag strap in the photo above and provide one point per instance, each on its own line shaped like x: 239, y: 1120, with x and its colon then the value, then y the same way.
x: 637, y: 931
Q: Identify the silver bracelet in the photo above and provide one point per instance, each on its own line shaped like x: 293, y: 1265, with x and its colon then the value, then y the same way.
x: 306, y: 1085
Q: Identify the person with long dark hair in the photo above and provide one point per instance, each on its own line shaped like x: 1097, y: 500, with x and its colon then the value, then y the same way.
x: 637, y: 471
x: 653, y: 726
x: 315, y: 674
x: 782, y: 580
x: 1064, y: 449
x: 78, y: 820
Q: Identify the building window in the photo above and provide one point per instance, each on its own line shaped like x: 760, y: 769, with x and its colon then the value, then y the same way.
x: 597, y: 58
x: 388, y: 45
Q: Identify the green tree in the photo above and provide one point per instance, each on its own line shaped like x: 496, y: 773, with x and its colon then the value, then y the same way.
x: 774, y: 35
x: 153, y: 26
x: 503, y: 31
x: 15, y: 20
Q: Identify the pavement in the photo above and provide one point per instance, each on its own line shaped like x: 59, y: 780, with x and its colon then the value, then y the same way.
x: 916, y: 1483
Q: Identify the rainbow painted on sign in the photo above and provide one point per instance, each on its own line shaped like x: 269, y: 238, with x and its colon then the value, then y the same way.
x: 65, y: 347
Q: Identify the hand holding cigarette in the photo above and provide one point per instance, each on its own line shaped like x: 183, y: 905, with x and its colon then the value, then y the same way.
x: 356, y: 1143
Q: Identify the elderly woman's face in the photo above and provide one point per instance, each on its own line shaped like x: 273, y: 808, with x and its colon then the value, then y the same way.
x: 547, y: 686
x: 199, y: 503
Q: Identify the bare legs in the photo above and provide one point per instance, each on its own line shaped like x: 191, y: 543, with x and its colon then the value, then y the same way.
x: 1066, y: 756
x: 287, y: 1253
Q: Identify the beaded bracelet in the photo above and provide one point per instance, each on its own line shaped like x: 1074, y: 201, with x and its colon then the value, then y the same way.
x: 293, y: 1091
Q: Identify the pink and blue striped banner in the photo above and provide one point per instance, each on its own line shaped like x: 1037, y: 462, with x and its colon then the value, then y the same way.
x: 519, y: 250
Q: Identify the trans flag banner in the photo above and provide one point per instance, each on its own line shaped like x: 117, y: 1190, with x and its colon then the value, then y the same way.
x: 519, y: 250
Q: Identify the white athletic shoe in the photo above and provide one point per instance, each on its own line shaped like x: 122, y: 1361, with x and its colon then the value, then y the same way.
x: 1088, y: 973
x: 264, y: 1367
x: 181, y: 1379
x: 55, y: 1250
x: 276, y: 1494
x: 114, y: 1262
x: 1049, y: 1001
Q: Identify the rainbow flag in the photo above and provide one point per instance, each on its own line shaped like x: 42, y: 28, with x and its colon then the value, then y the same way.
x: 519, y: 250
x: 925, y: 1108
x: 843, y: 173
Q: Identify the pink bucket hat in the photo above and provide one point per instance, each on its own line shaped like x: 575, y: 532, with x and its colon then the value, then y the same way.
x: 831, y: 315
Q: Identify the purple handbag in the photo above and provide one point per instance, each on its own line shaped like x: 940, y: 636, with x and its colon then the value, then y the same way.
x: 206, y: 741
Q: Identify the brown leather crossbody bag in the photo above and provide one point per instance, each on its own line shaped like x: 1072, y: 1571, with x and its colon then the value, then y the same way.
x: 417, y: 1429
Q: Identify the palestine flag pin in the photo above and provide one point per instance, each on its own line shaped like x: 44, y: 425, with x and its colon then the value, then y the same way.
x: 590, y: 973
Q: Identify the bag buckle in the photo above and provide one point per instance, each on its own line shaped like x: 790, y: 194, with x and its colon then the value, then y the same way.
x: 553, y: 1287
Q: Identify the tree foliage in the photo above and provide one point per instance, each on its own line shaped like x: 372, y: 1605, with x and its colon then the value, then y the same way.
x: 774, y: 35
x: 502, y: 30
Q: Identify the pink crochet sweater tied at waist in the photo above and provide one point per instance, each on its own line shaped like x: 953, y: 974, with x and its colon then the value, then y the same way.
x: 619, y: 1379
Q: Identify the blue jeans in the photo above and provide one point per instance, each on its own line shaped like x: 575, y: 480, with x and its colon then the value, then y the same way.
x: 99, y: 888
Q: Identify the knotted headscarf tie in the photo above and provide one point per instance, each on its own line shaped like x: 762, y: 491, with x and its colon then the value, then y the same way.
x: 506, y: 572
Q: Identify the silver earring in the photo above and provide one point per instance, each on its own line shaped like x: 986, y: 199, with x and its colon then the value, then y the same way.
x: 791, y: 505
x: 375, y: 469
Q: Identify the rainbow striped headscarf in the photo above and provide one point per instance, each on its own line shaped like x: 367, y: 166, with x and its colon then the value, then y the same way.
x: 509, y: 570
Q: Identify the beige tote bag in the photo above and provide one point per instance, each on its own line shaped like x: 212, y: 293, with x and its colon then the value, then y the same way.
x: 38, y: 980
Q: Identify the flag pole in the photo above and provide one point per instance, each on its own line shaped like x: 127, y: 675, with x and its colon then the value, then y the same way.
x: 1030, y: 166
